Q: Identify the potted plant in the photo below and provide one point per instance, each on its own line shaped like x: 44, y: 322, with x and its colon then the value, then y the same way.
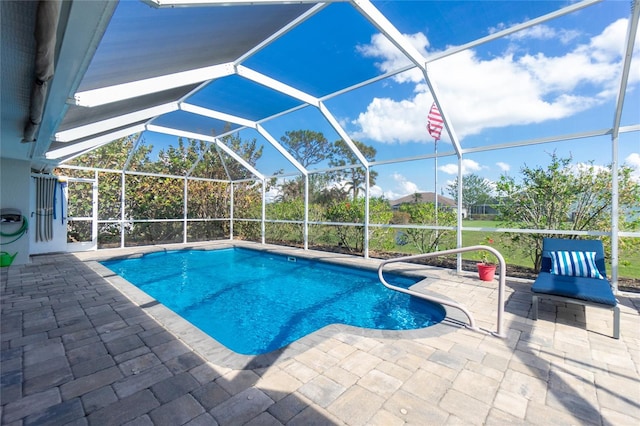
x: 486, y: 269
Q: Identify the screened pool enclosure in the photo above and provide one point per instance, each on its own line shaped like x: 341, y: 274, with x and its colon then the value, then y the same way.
x: 308, y: 124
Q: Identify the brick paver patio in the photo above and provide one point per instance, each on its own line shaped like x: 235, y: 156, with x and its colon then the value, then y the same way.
x: 82, y: 346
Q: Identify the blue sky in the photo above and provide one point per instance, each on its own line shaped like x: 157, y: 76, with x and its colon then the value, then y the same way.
x: 557, y: 78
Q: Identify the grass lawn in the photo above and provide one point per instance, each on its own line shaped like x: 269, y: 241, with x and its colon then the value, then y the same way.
x: 629, y: 262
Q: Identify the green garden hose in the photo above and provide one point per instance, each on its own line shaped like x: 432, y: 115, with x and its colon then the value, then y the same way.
x: 18, y: 234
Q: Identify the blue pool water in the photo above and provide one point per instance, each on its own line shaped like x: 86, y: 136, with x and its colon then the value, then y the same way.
x: 255, y: 302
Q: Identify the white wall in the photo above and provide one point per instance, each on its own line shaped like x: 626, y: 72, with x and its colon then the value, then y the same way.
x: 15, y: 176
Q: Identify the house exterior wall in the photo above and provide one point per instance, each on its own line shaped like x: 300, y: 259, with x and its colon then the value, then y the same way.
x: 14, y: 194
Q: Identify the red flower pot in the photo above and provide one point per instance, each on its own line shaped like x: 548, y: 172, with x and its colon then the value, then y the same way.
x: 486, y: 271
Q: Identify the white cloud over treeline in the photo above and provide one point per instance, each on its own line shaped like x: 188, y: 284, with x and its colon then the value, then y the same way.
x: 633, y: 161
x: 479, y: 93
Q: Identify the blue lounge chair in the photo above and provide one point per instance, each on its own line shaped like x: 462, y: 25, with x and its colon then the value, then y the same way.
x: 563, y: 278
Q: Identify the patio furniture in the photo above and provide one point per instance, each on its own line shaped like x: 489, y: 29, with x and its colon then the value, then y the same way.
x: 573, y: 271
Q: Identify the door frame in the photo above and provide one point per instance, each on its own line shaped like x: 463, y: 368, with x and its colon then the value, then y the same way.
x: 93, y: 243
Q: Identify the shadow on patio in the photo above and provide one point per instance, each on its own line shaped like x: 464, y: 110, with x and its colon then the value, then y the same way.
x: 74, y: 348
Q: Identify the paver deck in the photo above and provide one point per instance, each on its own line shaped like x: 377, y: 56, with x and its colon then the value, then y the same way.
x: 82, y: 346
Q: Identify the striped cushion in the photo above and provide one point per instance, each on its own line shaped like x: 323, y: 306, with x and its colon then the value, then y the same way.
x: 575, y: 264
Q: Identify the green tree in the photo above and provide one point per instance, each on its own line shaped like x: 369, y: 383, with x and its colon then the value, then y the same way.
x: 320, y: 187
x: 380, y: 212
x: 309, y: 148
x: 306, y: 146
x: 290, y: 210
x: 152, y: 197
x: 291, y: 190
x: 179, y: 160
x: 247, y: 149
x: 425, y: 240
x: 330, y: 194
x: 563, y: 196
x: 114, y: 156
x: 352, y: 237
x: 212, y: 199
x: 475, y: 190
x: 355, y: 177
x: 247, y: 196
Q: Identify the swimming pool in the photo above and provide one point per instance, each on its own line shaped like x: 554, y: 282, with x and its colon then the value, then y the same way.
x: 254, y: 302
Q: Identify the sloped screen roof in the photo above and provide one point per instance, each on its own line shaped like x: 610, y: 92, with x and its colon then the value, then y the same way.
x: 503, y: 74
x: 143, y: 42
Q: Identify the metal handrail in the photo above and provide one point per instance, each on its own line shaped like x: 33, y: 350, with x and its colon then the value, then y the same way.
x: 472, y: 324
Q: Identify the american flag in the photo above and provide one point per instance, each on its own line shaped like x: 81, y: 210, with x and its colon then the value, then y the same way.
x: 435, y: 122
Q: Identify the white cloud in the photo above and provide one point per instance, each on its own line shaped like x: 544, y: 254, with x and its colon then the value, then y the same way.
x: 392, y: 59
x: 401, y: 187
x: 390, y: 121
x: 468, y: 166
x: 633, y: 161
x: 545, y: 32
x: 503, y: 166
x: 586, y: 169
x: 341, y: 184
x: 610, y: 45
x: 405, y: 186
x: 272, y: 194
x: 450, y: 169
x: 506, y: 90
x: 376, y: 191
x: 539, y: 32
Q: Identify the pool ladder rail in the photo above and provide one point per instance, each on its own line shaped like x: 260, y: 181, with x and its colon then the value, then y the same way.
x: 472, y: 323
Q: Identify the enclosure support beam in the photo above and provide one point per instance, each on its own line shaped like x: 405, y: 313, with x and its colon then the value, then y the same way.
x: 231, y: 211
x: 93, y: 143
x: 216, y: 141
x: 132, y: 152
x: 94, y: 222
x: 365, y: 247
x: 381, y: 22
x: 378, y: 19
x: 111, y: 124
x: 615, y: 194
x: 615, y: 226
x: 305, y: 228
x: 276, y: 85
x: 281, y: 149
x: 120, y: 92
x: 459, y: 217
x: 352, y: 146
x: 264, y: 210
x: 122, y: 207
x: 184, y: 210
x: 345, y: 137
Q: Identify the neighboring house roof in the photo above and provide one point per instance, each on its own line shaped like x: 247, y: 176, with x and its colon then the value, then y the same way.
x: 424, y: 197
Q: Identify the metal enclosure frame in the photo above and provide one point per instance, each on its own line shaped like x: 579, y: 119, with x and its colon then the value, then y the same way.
x: 90, y: 136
